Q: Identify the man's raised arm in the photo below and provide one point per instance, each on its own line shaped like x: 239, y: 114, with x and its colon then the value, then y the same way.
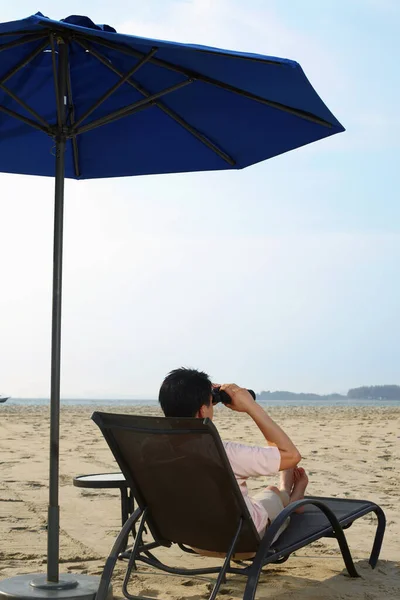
x: 241, y: 401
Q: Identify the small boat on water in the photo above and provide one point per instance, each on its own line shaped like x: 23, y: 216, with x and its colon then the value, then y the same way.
x: 4, y: 398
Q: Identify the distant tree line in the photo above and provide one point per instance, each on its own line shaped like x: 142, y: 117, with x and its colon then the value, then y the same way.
x: 375, y: 392
x: 282, y: 395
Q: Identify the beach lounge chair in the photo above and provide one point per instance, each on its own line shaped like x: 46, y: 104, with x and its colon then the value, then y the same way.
x: 187, y: 495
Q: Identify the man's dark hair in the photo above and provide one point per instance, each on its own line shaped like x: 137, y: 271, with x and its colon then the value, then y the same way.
x: 184, y: 391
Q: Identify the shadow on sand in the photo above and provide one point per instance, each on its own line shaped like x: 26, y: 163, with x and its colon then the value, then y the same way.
x: 309, y: 579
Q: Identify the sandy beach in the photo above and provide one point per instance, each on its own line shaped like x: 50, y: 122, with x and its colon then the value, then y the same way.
x: 348, y: 452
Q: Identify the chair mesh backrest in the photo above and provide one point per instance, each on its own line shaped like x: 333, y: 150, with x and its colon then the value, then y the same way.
x: 178, y: 468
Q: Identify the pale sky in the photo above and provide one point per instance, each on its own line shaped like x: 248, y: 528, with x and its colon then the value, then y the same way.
x: 282, y: 276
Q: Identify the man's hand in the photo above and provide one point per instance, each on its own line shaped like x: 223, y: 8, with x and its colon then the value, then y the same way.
x: 241, y: 399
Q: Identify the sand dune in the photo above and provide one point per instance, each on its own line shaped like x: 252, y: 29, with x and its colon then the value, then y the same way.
x: 348, y: 452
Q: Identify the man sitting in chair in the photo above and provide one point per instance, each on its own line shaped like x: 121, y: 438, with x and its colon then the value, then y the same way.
x: 188, y: 393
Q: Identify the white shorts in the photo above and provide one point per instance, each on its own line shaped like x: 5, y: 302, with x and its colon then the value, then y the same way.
x: 273, y: 504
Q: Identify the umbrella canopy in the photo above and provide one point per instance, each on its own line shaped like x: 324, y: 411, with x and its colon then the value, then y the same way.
x: 79, y: 100
x: 138, y: 106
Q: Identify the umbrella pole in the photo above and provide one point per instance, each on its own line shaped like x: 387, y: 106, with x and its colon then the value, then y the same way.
x: 53, y: 509
x: 53, y: 523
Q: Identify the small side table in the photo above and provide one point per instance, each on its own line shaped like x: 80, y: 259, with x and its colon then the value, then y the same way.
x: 110, y: 481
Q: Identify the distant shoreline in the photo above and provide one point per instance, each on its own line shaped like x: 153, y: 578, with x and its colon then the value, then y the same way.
x: 291, y: 396
x: 296, y: 400
x: 375, y: 395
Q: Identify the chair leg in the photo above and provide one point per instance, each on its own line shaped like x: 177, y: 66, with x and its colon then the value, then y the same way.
x: 125, y: 512
x: 109, y: 567
x: 132, y: 563
x: 344, y: 549
x: 222, y: 574
x: 253, y: 577
x: 380, y: 530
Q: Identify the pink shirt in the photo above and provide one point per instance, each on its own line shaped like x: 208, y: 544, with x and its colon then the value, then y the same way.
x: 253, y: 461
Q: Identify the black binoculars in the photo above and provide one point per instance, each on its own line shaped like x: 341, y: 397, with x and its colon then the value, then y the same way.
x: 219, y: 395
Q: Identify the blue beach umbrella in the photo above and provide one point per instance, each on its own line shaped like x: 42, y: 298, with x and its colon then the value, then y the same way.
x: 79, y: 100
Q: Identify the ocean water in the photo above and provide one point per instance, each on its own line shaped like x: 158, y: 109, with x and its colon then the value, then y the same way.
x: 124, y: 402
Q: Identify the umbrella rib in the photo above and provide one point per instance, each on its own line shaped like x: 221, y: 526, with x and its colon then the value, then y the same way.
x: 55, y: 77
x: 196, y: 133
x: 13, y: 33
x: 22, y: 32
x: 130, y: 109
x: 171, y: 113
x: 220, y: 84
x: 25, y: 120
x: 24, y: 105
x: 123, y: 79
x: 21, y: 41
x: 24, y: 62
x: 71, y: 114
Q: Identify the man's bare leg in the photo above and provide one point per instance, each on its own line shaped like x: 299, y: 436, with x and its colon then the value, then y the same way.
x: 293, y: 485
x: 300, y: 482
x: 286, y: 485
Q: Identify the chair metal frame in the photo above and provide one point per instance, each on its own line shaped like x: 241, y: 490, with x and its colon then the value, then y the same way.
x: 265, y: 554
